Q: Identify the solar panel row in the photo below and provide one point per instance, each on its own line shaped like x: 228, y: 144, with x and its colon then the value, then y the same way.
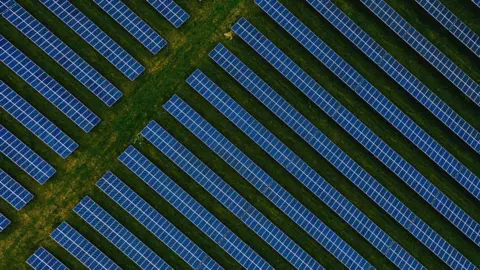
x: 12, y: 192
x: 4, y: 222
x: 155, y: 222
x: 82, y: 249
x: 396, y: 71
x: 24, y: 157
x: 192, y: 210
x: 118, y: 235
x: 34, y: 121
x: 304, y: 173
x: 94, y: 36
x: 46, y: 86
x: 324, y: 146
x: 171, y: 11
x: 226, y: 195
x: 43, y: 260
x: 425, y: 48
x: 265, y: 184
x: 476, y: 2
x: 62, y: 54
x: 452, y: 23
x: 391, y: 113
x: 133, y: 24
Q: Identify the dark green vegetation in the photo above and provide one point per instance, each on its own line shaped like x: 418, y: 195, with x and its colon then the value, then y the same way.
x: 165, y: 75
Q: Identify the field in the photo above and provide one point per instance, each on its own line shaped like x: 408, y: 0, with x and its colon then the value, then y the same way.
x: 165, y: 76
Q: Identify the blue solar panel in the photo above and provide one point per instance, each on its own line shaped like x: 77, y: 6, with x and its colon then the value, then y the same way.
x: 453, y: 24
x: 61, y: 53
x: 118, y: 235
x: 324, y: 146
x: 133, y: 24
x: 155, y: 222
x: 46, y: 86
x: 81, y: 248
x: 265, y: 184
x: 231, y: 199
x: 476, y: 2
x: 192, y: 210
x: 4, y: 222
x: 425, y: 48
x: 304, y: 173
x: 362, y: 87
x: 44, y: 260
x: 24, y: 157
x: 94, y: 36
x: 396, y: 71
x: 12, y: 192
x: 171, y: 11
x: 34, y: 121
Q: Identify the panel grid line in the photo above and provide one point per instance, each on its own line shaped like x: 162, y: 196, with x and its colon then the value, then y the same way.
x: 12, y: 192
x: 4, y: 222
x: 171, y: 11
x: 42, y: 260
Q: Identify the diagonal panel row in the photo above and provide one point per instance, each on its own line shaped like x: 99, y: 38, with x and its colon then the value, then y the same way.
x: 265, y: 184
x: 4, y: 222
x: 47, y: 86
x: 94, y: 36
x: 155, y: 222
x: 305, y: 174
x: 171, y: 11
x: 348, y: 167
x: 133, y: 24
x: 34, y: 121
x: 192, y: 210
x: 62, y: 54
x: 12, y: 192
x: 44, y: 260
x: 226, y: 195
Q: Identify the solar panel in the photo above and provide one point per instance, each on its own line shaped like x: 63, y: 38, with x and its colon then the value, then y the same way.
x: 304, y: 173
x: 46, y: 86
x: 34, y: 121
x: 348, y: 167
x: 265, y: 184
x: 452, y: 23
x: 192, y: 210
x: 363, y: 88
x: 476, y: 2
x: 43, y: 260
x: 24, y: 157
x: 94, y: 36
x: 231, y: 199
x: 4, y: 222
x: 171, y: 11
x: 425, y: 48
x: 118, y: 235
x: 133, y: 24
x: 12, y: 192
x: 155, y: 222
x: 81, y: 248
x: 62, y: 54
x: 396, y: 71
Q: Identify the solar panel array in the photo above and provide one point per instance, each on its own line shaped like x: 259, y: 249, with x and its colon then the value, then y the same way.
x: 24, y: 157
x: 265, y: 184
x: 390, y: 112
x: 34, y: 121
x: 396, y: 71
x: 4, y: 222
x: 192, y: 210
x: 171, y: 11
x: 118, y: 235
x: 133, y: 24
x: 82, y: 249
x: 425, y: 48
x: 94, y: 36
x: 348, y: 167
x: 43, y: 260
x: 46, y: 86
x: 62, y: 54
x: 304, y: 173
x: 453, y: 24
x: 12, y: 192
x: 155, y: 222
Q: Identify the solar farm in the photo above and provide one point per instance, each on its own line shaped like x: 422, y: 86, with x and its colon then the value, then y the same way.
x: 240, y: 134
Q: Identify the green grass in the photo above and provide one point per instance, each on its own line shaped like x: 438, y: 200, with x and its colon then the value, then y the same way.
x: 165, y: 75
